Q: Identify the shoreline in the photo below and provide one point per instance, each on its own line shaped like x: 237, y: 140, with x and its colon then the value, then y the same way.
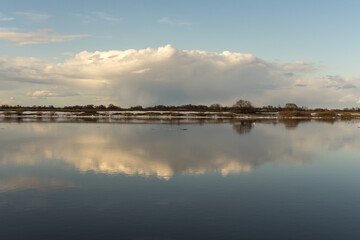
x: 163, y: 115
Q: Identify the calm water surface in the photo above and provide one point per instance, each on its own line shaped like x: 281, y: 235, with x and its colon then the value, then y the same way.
x: 243, y: 180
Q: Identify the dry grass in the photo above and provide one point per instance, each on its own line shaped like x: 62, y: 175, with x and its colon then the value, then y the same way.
x: 294, y: 113
x: 327, y: 114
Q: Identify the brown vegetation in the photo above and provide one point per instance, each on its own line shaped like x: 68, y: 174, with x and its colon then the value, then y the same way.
x: 240, y: 109
x: 294, y: 113
x: 327, y: 114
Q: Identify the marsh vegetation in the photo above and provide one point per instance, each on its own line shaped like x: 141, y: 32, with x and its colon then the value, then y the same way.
x: 242, y: 109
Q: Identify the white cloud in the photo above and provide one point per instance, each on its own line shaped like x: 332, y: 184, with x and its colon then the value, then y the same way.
x: 171, y: 76
x: 32, y: 16
x: 39, y: 37
x: 8, y: 29
x: 105, y: 16
x: 85, y: 18
x: 45, y: 93
x: 166, y: 20
x: 348, y: 98
x: 68, y: 54
x: 95, y: 16
x: 5, y: 18
x: 42, y: 93
x: 141, y: 71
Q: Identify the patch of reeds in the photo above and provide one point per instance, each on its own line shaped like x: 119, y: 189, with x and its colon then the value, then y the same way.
x: 327, y: 114
x: 7, y: 113
x: 294, y: 113
x: 346, y: 115
x: 127, y: 114
x: 19, y: 112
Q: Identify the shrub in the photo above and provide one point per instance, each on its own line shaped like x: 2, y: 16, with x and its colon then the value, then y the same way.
x: 127, y: 114
x: 294, y: 113
x: 327, y: 114
x: 19, y: 112
x: 346, y: 115
x: 7, y: 113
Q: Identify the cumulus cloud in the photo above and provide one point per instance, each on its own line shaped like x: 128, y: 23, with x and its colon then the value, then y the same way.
x: 166, y: 20
x: 167, y: 75
x: 41, y: 36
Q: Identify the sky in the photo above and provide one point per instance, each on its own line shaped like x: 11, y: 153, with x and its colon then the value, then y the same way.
x: 180, y: 52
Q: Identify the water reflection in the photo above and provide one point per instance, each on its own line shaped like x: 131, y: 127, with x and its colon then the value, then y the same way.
x: 291, y: 123
x: 166, y: 150
x: 56, y: 180
x: 40, y: 184
x: 243, y: 127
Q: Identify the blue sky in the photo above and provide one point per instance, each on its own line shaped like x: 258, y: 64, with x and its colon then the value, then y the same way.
x: 321, y: 33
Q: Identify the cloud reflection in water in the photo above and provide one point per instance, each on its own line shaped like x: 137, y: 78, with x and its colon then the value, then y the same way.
x: 154, y: 150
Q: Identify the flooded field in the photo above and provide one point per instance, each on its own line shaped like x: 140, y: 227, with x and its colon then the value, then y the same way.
x: 258, y: 179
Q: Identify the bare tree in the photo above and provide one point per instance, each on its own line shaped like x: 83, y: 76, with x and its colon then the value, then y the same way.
x: 215, y: 106
x: 243, y: 106
x: 291, y: 106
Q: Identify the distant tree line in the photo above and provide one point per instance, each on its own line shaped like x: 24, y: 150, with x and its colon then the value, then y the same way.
x: 241, y: 106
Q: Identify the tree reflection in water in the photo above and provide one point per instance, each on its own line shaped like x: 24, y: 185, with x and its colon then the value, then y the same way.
x: 243, y: 127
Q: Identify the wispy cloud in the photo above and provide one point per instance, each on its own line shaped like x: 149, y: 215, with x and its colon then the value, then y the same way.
x: 337, y: 82
x: 9, y: 29
x: 166, y: 20
x: 104, y: 16
x: 41, y: 36
x: 32, y: 16
x: 95, y: 16
x: 5, y: 18
x: 45, y: 93
x: 70, y: 54
x: 85, y: 18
